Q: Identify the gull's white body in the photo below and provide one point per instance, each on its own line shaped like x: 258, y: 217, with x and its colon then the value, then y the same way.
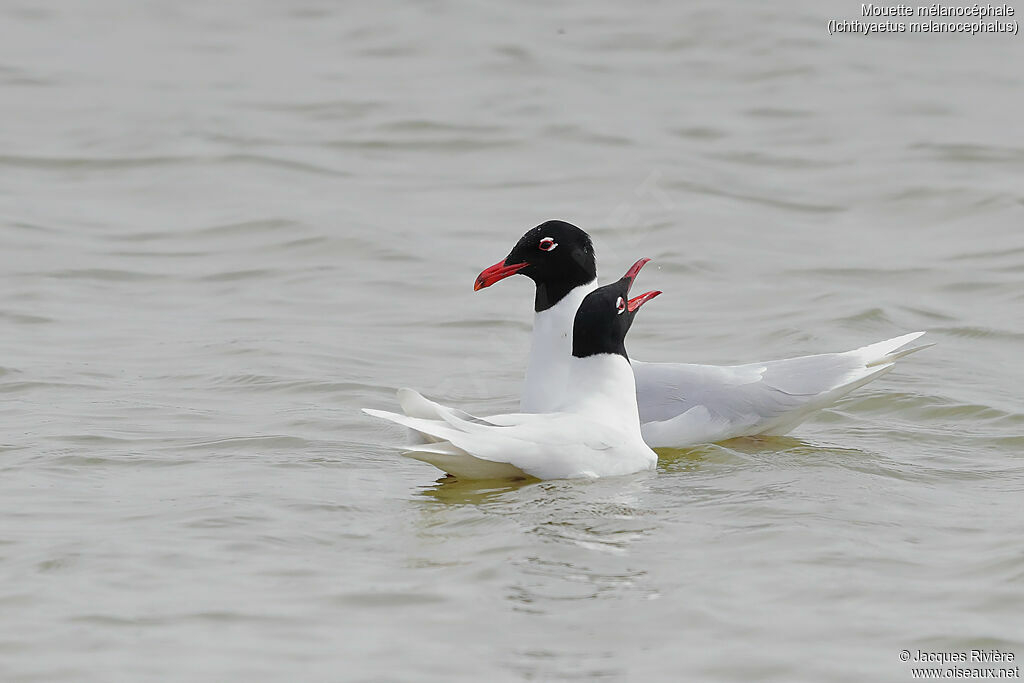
x: 595, y: 433
x: 683, y: 404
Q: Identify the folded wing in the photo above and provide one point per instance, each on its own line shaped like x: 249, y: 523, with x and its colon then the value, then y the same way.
x: 683, y: 404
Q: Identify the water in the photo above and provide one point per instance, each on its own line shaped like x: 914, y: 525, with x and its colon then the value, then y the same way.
x: 228, y: 226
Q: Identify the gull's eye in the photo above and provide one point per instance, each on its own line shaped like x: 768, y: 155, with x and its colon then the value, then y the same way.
x: 547, y: 244
x: 620, y: 305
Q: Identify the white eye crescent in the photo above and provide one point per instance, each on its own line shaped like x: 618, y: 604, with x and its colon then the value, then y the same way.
x: 547, y: 244
x: 620, y: 305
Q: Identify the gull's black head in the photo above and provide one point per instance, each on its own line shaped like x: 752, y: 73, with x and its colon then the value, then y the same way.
x: 604, y: 317
x: 556, y: 255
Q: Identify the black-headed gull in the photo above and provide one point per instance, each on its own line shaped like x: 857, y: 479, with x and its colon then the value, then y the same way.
x: 680, y: 404
x: 595, y: 431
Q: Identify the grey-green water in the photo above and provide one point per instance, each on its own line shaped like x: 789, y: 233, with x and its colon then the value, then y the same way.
x: 228, y: 226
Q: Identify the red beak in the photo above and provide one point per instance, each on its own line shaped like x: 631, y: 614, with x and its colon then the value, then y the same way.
x: 634, y: 269
x: 499, y: 271
x: 639, y: 301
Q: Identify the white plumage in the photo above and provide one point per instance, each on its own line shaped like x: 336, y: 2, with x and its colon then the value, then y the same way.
x: 597, y: 434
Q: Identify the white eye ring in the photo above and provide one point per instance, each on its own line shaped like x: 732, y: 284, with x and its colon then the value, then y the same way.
x: 547, y: 244
x: 620, y: 305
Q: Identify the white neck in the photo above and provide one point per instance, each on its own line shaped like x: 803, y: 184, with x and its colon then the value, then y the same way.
x: 603, y: 383
x: 547, y: 371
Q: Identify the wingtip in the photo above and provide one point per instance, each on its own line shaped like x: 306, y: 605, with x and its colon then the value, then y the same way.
x: 893, y: 349
x: 905, y: 339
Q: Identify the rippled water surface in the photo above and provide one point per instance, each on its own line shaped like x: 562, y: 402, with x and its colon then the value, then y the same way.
x: 228, y: 226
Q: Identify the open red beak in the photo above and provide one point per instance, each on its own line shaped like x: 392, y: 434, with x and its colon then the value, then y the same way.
x: 499, y: 271
x: 637, y: 302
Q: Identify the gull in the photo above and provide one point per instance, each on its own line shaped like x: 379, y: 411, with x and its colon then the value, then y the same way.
x: 680, y: 404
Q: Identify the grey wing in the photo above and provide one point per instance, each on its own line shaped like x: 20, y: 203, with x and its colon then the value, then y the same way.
x: 683, y: 404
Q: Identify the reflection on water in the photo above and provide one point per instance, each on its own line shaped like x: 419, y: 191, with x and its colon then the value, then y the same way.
x: 746, y: 451
x: 449, y: 489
